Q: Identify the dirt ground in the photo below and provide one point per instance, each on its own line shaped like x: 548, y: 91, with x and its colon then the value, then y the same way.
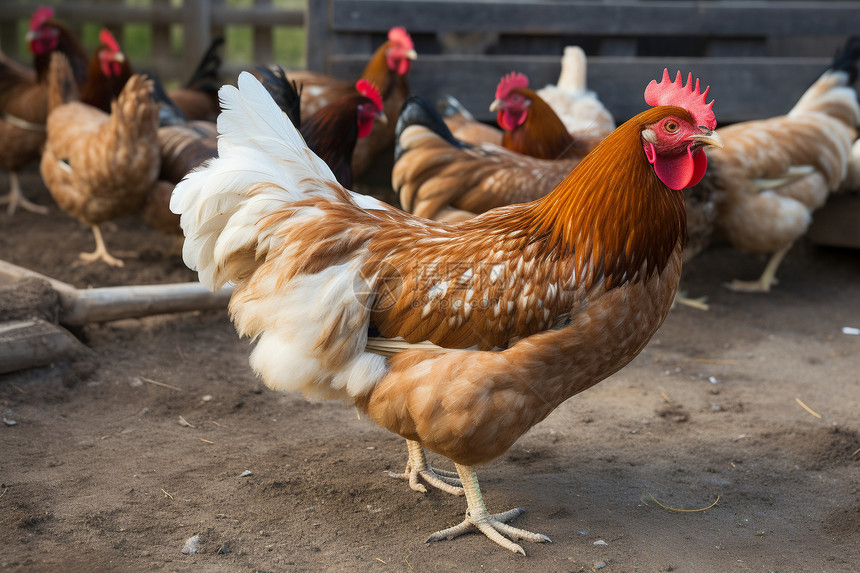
x: 99, y: 474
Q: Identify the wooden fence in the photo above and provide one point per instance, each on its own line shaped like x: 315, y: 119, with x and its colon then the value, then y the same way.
x: 201, y: 20
x: 758, y: 55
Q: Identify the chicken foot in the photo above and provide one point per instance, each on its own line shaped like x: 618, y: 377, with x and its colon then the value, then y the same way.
x: 491, y: 525
x: 417, y: 467
x: 15, y: 198
x: 101, y: 253
x: 767, y: 278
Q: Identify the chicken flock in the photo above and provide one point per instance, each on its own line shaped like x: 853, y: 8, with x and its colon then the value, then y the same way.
x: 524, y: 263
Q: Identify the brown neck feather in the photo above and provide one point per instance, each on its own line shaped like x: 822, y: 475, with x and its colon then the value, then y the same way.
x: 612, y: 211
x: 377, y: 72
x: 542, y: 135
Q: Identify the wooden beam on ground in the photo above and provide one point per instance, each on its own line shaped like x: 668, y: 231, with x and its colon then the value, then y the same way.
x: 34, y: 343
x: 84, y: 306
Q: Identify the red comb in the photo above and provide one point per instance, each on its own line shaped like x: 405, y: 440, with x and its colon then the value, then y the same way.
x: 368, y: 90
x: 509, y: 82
x: 401, y: 37
x: 675, y: 93
x: 106, y: 38
x: 40, y: 16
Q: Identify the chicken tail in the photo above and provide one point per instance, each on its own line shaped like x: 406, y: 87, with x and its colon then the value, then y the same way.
x: 846, y: 58
x: 832, y: 93
x: 417, y: 111
x: 286, y: 93
x: 168, y: 113
x: 62, y: 85
x: 573, y: 70
x: 260, y: 216
x: 449, y: 106
x: 264, y: 165
x: 206, y: 76
x: 134, y: 114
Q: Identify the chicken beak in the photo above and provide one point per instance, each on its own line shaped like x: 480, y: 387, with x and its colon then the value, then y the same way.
x: 496, y: 105
x: 411, y: 55
x: 709, y: 137
x: 382, y: 118
x: 119, y: 57
x: 31, y: 35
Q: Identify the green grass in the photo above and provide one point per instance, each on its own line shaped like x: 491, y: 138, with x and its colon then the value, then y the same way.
x: 288, y: 43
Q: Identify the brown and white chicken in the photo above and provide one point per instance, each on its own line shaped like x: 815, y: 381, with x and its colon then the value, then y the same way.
x: 458, y: 337
x: 99, y: 166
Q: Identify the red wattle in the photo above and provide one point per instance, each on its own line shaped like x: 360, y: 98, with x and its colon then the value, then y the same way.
x: 364, y: 128
x: 680, y: 171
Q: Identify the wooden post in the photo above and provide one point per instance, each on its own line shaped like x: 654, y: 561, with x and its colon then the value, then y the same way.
x: 160, y: 57
x: 263, y: 52
x: 318, y: 37
x: 197, y: 32
x: 33, y: 343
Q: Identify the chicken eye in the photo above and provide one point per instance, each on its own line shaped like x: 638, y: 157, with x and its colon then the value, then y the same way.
x: 671, y: 126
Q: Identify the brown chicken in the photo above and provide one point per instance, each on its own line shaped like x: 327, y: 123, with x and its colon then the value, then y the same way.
x: 776, y: 172
x: 439, y: 177
x: 24, y: 100
x: 99, y: 166
x: 107, y: 74
x: 387, y: 71
x: 198, y: 98
x: 458, y: 337
x: 531, y: 126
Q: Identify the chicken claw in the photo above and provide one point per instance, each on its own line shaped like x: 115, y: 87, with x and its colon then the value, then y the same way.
x: 491, y: 525
x: 16, y: 199
x: 101, y: 253
x: 767, y: 278
x: 417, y: 467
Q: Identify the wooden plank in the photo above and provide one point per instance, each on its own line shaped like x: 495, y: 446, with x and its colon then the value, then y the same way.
x: 744, y: 88
x: 262, y: 37
x: 197, y: 21
x: 34, y: 343
x: 622, y: 17
x: 78, y: 12
x: 10, y: 39
x: 318, y: 36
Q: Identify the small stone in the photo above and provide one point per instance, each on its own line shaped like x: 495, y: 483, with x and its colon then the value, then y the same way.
x: 713, y: 380
x: 9, y: 422
x: 246, y: 473
x: 207, y: 398
x: 192, y: 545
x: 224, y: 550
x: 599, y: 565
x: 600, y: 543
x: 851, y: 330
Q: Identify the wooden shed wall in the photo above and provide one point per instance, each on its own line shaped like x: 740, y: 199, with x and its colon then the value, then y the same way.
x: 758, y: 56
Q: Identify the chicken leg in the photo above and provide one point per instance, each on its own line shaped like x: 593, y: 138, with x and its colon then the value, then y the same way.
x: 15, y: 198
x: 491, y: 525
x: 417, y: 467
x: 767, y: 278
x: 101, y: 253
